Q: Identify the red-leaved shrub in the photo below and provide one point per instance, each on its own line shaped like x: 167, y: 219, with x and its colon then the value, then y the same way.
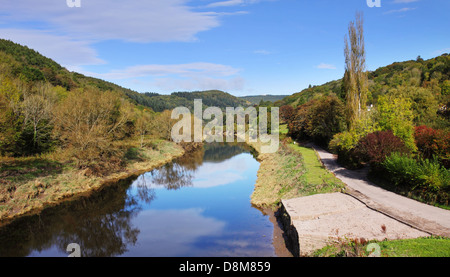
x: 375, y: 147
x: 433, y: 143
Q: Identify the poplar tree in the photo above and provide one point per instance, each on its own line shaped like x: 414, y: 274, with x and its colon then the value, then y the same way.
x: 355, y: 77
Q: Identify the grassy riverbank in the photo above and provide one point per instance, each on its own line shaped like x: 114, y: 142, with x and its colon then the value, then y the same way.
x: 34, y: 183
x: 293, y: 171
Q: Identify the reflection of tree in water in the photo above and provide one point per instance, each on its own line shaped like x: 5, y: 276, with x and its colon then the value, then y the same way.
x: 219, y: 152
x: 100, y: 224
x: 180, y: 173
x: 175, y: 175
x: 172, y: 176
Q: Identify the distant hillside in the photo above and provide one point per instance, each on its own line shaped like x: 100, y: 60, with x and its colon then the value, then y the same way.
x: 210, y: 98
x: 333, y: 87
x: 22, y: 62
x: 432, y: 74
x: 256, y: 99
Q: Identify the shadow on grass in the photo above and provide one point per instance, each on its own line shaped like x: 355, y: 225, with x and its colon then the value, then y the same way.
x: 22, y: 170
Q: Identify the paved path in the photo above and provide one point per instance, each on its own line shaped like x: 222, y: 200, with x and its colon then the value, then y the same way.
x: 426, y: 218
x: 317, y: 220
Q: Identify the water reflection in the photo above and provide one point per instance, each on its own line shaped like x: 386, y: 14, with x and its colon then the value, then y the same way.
x: 100, y: 224
x: 196, y: 206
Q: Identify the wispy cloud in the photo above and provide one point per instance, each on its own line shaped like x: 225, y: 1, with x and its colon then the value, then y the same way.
x: 326, y: 66
x: 441, y: 51
x: 67, y: 34
x: 403, y: 10
x: 404, y: 1
x: 183, y: 70
x: 231, y: 3
x: 226, y: 3
x: 136, y: 21
x: 67, y: 51
x: 191, y: 76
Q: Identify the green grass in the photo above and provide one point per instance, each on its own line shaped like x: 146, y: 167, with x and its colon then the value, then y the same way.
x: 419, y: 247
x: 283, y: 130
x: 316, y: 173
x: 22, y: 170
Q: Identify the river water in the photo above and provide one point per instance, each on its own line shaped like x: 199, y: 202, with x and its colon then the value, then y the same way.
x: 196, y: 206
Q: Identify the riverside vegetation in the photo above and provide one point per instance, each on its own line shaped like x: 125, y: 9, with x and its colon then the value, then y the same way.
x: 63, y: 135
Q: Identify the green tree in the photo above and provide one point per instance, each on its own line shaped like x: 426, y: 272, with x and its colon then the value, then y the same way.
x: 395, y: 113
x: 355, y: 77
x: 11, y: 119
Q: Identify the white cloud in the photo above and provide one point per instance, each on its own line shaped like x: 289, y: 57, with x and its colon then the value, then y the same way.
x: 183, y: 70
x: 230, y: 3
x: 62, y: 49
x: 134, y: 20
x: 441, y: 51
x: 163, y: 233
x: 200, y: 83
x: 68, y: 36
x: 226, y: 3
x: 404, y: 1
x: 189, y: 77
x: 210, y: 174
x: 326, y: 66
x: 400, y: 10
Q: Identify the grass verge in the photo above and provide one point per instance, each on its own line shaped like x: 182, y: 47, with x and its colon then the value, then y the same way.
x: 419, y: 247
x: 293, y: 171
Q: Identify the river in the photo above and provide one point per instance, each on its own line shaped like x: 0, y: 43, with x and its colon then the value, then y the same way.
x: 197, y: 206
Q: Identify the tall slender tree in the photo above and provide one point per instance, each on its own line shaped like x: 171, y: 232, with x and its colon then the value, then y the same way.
x: 355, y: 77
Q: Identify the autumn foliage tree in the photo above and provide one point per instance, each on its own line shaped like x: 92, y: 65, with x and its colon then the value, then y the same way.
x: 318, y: 119
x: 89, y: 120
x: 432, y: 143
x: 286, y: 113
x: 375, y: 147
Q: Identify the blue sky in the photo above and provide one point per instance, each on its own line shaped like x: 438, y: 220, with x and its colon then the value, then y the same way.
x: 244, y: 47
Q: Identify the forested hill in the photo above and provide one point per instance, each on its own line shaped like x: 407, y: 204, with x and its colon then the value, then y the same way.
x: 17, y: 61
x: 256, y: 99
x: 424, y: 79
x: 210, y: 98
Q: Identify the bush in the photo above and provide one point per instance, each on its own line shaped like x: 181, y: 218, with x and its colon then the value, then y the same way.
x: 402, y: 170
x: 375, y: 147
x: 318, y: 119
x: 433, y: 143
x: 344, y: 144
x: 426, y: 177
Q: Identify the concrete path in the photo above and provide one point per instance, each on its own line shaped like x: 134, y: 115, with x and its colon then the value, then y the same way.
x: 314, y: 221
x: 365, y: 211
x: 429, y: 219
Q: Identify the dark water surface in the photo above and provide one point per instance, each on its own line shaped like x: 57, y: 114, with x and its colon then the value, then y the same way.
x: 197, y: 206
